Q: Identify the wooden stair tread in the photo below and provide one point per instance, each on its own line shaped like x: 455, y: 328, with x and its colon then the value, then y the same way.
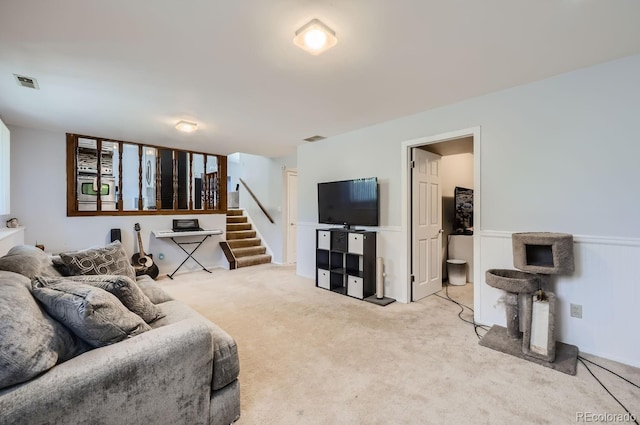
x: 253, y: 260
x: 249, y: 250
x: 241, y: 234
x: 234, y: 227
x: 245, y: 242
x: 236, y: 219
x: 235, y: 212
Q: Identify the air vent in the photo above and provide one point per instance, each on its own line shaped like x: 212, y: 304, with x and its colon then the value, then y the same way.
x: 314, y: 138
x: 28, y: 82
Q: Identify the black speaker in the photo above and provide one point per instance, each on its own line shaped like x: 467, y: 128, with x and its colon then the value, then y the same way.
x: 116, y: 235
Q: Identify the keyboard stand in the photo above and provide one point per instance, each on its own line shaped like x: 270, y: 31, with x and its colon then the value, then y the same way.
x: 172, y: 235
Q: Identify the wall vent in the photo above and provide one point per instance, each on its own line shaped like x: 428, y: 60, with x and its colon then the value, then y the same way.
x: 314, y: 138
x: 28, y: 82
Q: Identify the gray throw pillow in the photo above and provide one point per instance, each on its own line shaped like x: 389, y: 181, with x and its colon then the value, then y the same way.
x: 112, y: 259
x: 28, y: 261
x: 31, y: 342
x: 60, y: 266
x: 93, y: 314
x: 126, y: 290
x: 152, y: 290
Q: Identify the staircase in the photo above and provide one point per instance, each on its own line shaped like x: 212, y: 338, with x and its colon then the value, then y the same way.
x: 242, y: 248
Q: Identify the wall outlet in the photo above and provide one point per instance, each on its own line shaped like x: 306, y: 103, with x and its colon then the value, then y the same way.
x: 576, y: 310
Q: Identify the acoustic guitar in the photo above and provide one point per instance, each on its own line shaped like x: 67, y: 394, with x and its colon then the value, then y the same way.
x: 143, y: 263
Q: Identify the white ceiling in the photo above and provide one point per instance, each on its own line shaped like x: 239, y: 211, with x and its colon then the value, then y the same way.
x: 130, y: 69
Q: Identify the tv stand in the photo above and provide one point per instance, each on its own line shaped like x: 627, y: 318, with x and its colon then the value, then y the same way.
x: 346, y: 261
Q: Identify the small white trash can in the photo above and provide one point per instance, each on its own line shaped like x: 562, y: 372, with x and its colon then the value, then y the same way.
x: 457, y: 270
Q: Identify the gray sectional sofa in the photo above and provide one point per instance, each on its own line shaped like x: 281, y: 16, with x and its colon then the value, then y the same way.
x: 178, y: 369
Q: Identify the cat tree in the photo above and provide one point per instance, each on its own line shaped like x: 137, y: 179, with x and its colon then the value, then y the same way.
x: 537, y: 256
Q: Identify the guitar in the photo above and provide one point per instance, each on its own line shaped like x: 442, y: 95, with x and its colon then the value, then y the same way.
x: 143, y: 263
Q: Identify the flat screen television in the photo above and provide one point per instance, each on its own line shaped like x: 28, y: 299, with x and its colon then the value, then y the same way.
x: 349, y: 202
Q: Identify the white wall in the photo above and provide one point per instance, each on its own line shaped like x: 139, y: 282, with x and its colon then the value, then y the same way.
x: 457, y: 170
x: 38, y: 199
x: 265, y: 179
x: 557, y: 155
x: 5, y: 171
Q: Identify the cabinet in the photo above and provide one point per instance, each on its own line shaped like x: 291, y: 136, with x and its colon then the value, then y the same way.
x: 346, y: 261
x: 10, y: 238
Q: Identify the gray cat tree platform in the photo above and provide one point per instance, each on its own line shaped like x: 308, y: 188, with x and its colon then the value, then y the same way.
x: 537, y: 256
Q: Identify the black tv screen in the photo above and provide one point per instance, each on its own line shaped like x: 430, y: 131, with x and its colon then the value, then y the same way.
x: 349, y: 202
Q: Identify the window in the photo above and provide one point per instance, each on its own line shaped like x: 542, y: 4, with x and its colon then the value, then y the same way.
x: 111, y: 177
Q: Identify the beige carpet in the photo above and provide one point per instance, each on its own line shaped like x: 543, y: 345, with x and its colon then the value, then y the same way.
x: 309, y: 356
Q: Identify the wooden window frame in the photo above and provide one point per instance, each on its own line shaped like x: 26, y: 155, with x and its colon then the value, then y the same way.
x: 72, y: 194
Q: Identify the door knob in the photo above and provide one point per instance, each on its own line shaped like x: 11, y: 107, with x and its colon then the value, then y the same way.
x: 440, y: 231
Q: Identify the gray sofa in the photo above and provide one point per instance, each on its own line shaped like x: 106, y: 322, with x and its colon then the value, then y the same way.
x: 184, y: 370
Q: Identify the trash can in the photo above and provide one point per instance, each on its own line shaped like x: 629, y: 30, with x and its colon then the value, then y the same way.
x: 457, y: 270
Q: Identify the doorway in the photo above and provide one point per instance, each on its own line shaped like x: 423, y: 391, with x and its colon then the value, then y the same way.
x: 426, y: 258
x: 290, y: 216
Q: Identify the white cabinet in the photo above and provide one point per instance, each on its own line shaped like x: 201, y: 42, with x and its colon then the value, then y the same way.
x: 324, y: 239
x: 5, y: 188
x: 10, y: 238
x: 354, y: 286
x: 323, y: 278
x: 355, y: 243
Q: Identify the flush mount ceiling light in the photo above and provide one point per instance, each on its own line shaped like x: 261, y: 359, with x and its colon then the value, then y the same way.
x: 315, y: 37
x: 186, y: 126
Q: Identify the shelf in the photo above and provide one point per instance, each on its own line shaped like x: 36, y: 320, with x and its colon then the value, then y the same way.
x: 356, y: 273
x: 350, y: 258
x: 341, y: 290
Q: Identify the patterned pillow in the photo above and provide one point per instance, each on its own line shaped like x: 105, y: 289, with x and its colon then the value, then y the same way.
x: 112, y: 259
x: 28, y: 261
x: 93, y: 314
x: 31, y: 342
x: 60, y: 266
x: 122, y: 287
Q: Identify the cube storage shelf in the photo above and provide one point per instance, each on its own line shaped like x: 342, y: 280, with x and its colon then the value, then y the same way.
x: 346, y: 261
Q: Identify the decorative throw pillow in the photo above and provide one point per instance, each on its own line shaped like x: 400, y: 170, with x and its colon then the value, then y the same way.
x: 112, y: 259
x: 125, y: 289
x: 31, y: 342
x: 60, y: 266
x: 152, y: 290
x: 28, y: 261
x: 93, y: 314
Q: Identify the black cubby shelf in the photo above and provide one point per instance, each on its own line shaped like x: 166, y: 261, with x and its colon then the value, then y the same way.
x: 346, y: 261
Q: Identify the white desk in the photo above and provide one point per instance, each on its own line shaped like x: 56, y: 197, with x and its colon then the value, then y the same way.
x: 172, y: 235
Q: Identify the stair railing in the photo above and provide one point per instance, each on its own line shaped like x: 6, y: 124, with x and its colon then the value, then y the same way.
x: 257, y: 201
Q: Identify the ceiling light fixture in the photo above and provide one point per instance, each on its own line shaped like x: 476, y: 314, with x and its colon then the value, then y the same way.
x: 315, y: 37
x: 186, y: 126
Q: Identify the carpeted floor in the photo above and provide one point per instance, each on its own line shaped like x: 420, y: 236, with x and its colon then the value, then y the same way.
x: 309, y: 356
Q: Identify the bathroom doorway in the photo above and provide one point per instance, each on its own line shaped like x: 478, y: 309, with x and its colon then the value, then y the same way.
x: 458, y: 167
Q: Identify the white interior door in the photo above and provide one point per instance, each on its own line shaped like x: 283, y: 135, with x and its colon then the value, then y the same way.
x: 292, y: 217
x: 426, y: 218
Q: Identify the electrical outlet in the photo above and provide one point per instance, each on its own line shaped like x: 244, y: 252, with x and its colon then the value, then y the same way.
x: 576, y: 311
